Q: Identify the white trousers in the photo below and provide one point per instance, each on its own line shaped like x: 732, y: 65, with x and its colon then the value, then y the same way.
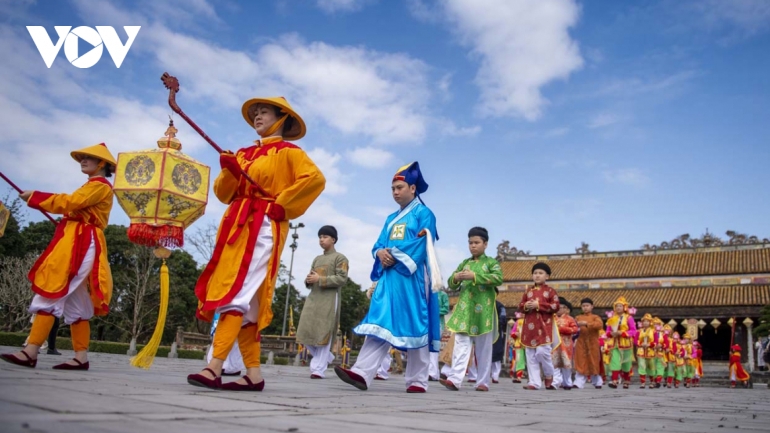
x: 233, y: 362
x: 76, y: 304
x: 562, y: 377
x: 580, y: 380
x: 538, y: 359
x: 246, y: 300
x: 433, y: 372
x: 473, y: 371
x: 322, y: 356
x: 373, y: 351
x: 446, y: 370
x: 462, y: 353
x: 382, y: 370
x: 497, y: 366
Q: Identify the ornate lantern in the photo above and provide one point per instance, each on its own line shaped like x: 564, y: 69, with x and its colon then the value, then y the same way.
x: 672, y: 323
x: 5, y: 215
x: 715, y: 323
x: 748, y: 322
x: 163, y: 191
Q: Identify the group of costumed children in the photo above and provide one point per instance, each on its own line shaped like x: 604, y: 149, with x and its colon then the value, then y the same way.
x: 72, y: 279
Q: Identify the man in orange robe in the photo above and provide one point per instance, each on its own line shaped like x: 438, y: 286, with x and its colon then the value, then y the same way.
x: 264, y: 186
x: 72, y: 277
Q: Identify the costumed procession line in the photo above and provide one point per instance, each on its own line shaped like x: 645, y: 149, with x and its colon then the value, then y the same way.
x: 19, y: 190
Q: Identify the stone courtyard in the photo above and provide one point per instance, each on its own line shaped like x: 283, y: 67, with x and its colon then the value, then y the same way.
x: 114, y: 397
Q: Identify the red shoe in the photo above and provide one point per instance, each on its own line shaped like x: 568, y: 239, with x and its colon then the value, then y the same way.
x: 78, y: 366
x: 378, y: 377
x: 29, y: 362
x: 351, y: 378
x: 482, y: 388
x: 414, y: 389
x: 495, y: 381
x: 530, y: 387
x: 250, y: 386
x: 235, y: 373
x: 598, y: 387
x: 205, y: 382
x: 516, y: 380
x: 471, y: 380
x: 449, y: 384
x: 315, y: 376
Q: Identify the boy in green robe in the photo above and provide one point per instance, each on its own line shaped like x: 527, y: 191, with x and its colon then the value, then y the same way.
x: 318, y: 322
x: 474, y: 320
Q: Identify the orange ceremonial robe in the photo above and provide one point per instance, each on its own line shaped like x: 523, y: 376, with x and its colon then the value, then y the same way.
x: 291, y: 180
x: 86, y: 212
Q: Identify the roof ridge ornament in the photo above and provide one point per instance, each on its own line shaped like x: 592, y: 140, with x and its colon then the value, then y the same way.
x: 706, y: 240
x: 504, y: 249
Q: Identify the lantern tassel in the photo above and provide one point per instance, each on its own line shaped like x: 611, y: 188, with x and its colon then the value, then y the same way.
x: 166, y: 235
x: 145, y: 358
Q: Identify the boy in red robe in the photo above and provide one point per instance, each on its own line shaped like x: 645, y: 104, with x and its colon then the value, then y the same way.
x: 737, y: 373
x: 540, y: 335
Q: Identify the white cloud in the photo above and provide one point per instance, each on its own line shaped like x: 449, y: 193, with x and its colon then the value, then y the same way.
x: 450, y: 129
x: 332, y: 6
x: 627, y: 176
x: 336, y: 182
x: 557, y: 132
x: 522, y: 45
x: 602, y: 120
x: 370, y: 157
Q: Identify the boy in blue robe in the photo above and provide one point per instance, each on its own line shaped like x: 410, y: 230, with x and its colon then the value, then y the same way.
x: 404, y: 310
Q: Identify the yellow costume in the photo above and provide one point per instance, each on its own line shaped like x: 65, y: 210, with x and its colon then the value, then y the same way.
x: 254, y: 225
x: 72, y: 277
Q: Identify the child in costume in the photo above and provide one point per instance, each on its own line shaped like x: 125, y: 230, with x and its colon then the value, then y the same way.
x: 697, y: 354
x: 645, y: 352
x: 660, y: 343
x: 404, y: 311
x: 540, y: 334
x: 621, y: 332
x: 475, y: 318
x: 280, y: 183
x: 737, y: 373
x: 318, y: 322
x: 588, y: 356
x: 677, y: 348
x: 689, y: 361
x: 669, y: 348
x: 520, y: 359
x: 72, y: 277
x: 563, y: 355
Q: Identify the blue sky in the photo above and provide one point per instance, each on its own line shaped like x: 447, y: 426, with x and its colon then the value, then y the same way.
x: 547, y: 122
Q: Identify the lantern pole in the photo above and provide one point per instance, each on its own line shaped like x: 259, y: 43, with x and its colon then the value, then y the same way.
x: 293, y: 247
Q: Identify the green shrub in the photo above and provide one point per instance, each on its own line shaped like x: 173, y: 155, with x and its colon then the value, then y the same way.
x: 15, y: 339
x: 281, y: 361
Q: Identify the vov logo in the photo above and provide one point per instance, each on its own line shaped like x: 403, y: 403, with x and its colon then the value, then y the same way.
x: 99, y: 38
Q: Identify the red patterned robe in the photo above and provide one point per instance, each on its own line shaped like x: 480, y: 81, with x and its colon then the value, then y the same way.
x: 540, y: 323
x: 562, y: 355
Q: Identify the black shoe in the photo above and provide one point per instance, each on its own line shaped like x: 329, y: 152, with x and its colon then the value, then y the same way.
x: 53, y: 352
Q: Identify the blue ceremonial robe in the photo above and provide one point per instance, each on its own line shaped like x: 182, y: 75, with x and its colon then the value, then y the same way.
x: 404, y: 311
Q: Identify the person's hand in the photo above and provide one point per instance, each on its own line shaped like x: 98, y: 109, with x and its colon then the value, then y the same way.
x: 229, y: 162
x: 463, y: 275
x: 615, y: 334
x: 312, y: 278
x: 275, y: 212
x: 370, y: 291
x: 385, y: 257
x: 25, y: 195
x: 530, y: 305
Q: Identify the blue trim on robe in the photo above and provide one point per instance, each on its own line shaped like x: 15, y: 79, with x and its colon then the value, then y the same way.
x: 404, y: 311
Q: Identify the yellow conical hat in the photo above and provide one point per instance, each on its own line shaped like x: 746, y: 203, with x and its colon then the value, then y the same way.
x: 621, y: 300
x: 97, y: 150
x: 657, y: 321
x: 297, y: 130
x: 648, y: 317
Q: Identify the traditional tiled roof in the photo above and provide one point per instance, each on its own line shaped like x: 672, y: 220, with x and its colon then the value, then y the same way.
x: 668, y: 297
x: 750, y: 261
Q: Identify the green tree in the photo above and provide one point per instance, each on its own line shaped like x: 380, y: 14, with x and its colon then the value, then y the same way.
x: 296, y: 302
x: 355, y: 304
x: 763, y: 330
x: 12, y: 242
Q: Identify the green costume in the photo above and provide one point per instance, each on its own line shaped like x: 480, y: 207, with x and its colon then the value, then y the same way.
x: 443, y: 308
x: 475, y: 313
x: 318, y: 322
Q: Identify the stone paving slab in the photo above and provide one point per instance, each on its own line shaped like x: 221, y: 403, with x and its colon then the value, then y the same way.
x: 114, y: 397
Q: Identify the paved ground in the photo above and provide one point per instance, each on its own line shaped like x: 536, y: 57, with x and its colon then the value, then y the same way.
x: 114, y: 397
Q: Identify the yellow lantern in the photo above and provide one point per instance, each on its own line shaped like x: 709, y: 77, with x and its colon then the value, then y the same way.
x: 163, y: 191
x: 715, y: 323
x: 5, y: 215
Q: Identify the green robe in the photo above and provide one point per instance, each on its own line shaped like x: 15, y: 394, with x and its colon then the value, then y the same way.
x: 475, y: 312
x: 318, y: 321
x: 443, y: 308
